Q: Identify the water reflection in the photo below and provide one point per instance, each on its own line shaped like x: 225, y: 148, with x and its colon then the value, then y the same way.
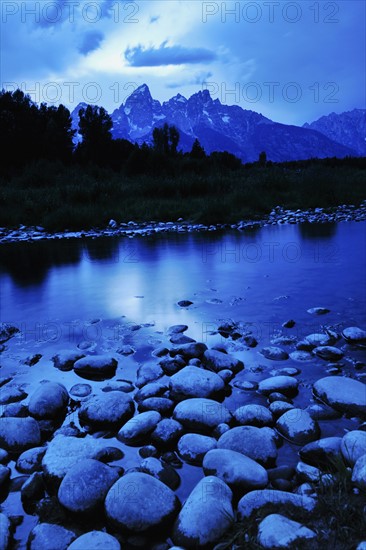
x: 318, y: 231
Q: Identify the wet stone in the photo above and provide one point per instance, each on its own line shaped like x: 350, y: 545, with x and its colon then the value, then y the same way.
x: 274, y: 353
x: 343, y: 394
x: 353, y: 446
x: 96, y: 367
x: 139, y: 427
x: 80, y: 390
x: 278, y: 408
x: 193, y: 447
x: 256, y: 443
x: 277, y: 531
x: 322, y: 453
x: 298, y: 427
x: 50, y: 536
x: 318, y: 310
x: 147, y: 374
x: 19, y: 434
x: 328, y: 353
x: 106, y: 411
x: 254, y: 502
x: 359, y: 473
x: 286, y: 385
x: 194, y: 382
x: 163, y: 472
x: 31, y: 460
x: 167, y: 432
x: 95, y: 540
x: 253, y: 415
x: 64, y: 360
x: 354, y: 335
x: 154, y: 389
x: 200, y: 414
x: 48, y: 401
x: 217, y: 361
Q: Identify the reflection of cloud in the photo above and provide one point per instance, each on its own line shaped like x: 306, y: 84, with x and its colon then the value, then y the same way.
x: 167, y: 55
x: 90, y: 41
x: 154, y: 19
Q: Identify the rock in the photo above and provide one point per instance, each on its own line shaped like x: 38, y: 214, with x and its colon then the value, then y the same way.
x: 318, y: 310
x: 19, y: 434
x: 96, y: 367
x: 109, y: 454
x: 126, y: 350
x: 192, y: 351
x: 154, y: 389
x: 206, y: 515
x: 167, y: 433
x: 112, y: 224
x: 200, y: 414
x: 33, y: 488
x: 274, y: 353
x: 240, y: 472
x: 63, y: 452
x: 353, y: 446
x: 106, y: 411
x: 216, y: 361
x: 64, y: 360
x: 80, y: 390
x: 31, y: 460
x: 7, y: 331
x: 298, y: 427
x: 185, y: 303
x: 287, y: 385
x: 343, y: 394
x: 254, y: 502
x: 95, y: 540
x: 281, y: 472
x: 172, y: 365
x: 50, y: 536
x: 4, y: 475
x: 48, y: 401
x: 278, y: 408
x: 162, y: 405
x: 85, y: 486
x: 148, y: 373
x: 139, y: 427
x: 289, y: 324
x: 138, y: 502
x: 193, y: 447
x: 4, y: 456
x: 277, y: 531
x: 164, y: 473
x: 322, y: 453
x: 177, y: 329
x: 256, y: 443
x: 328, y: 353
x: 4, y: 531
x: 181, y: 339
x: 301, y: 356
x: 319, y: 411
x: 253, y: 415
x: 12, y: 394
x: 359, y: 473
x: 354, y: 335
x: 245, y: 385
x: 226, y: 375
x: 319, y: 339
x: 195, y: 382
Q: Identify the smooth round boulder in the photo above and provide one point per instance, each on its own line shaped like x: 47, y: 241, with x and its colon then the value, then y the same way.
x: 323, y: 452
x: 253, y: 415
x: 278, y: 408
x: 328, y: 353
x: 359, y: 473
x: 19, y: 434
x: 163, y: 472
x: 277, y: 531
x: 256, y: 443
x: 342, y: 393
x: 96, y: 367
x: 354, y: 335
x: 95, y: 540
x: 153, y: 389
x: 138, y: 428
x: 298, y: 427
x: 50, y: 536
x: 80, y: 390
x: 274, y: 353
x: 287, y: 385
x: 318, y: 310
x: 318, y: 339
x: 192, y: 351
x: 201, y: 414
x: 254, y: 502
x: 162, y: 405
x: 4, y: 531
x: 193, y: 447
x: 353, y: 445
x: 48, y: 401
x: 139, y: 503
x: 238, y: 471
x: 217, y: 361
x: 65, y: 359
x: 206, y: 515
x: 148, y: 373
x: 167, y: 433
x: 31, y: 460
x: 195, y: 382
x: 85, y: 486
x: 106, y: 411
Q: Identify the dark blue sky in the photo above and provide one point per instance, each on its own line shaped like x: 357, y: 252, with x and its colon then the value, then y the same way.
x: 291, y: 61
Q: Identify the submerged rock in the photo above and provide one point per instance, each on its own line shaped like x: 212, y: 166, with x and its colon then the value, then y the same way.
x: 138, y: 502
x: 277, y: 531
x: 206, y: 515
x: 4, y: 531
x: 328, y: 353
x: 274, y: 353
x: 318, y: 310
x: 96, y: 367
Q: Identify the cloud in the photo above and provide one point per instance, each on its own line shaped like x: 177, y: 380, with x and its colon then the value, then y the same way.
x: 154, y: 19
x: 197, y: 79
x: 167, y: 55
x: 91, y: 41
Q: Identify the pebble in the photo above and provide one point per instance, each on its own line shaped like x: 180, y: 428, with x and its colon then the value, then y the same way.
x: 106, y: 411
x: 193, y: 447
x: 139, y: 427
x: 200, y: 414
x: 195, y: 382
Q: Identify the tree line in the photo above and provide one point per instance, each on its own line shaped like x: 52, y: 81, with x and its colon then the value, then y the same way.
x: 31, y: 133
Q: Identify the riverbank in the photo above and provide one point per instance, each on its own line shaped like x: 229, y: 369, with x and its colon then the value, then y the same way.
x: 278, y: 216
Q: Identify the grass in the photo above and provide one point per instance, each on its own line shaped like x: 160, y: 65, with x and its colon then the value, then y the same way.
x: 339, y: 519
x: 72, y: 197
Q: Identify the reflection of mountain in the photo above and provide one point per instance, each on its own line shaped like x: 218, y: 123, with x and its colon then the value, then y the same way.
x: 29, y: 264
x: 317, y: 230
x: 221, y: 127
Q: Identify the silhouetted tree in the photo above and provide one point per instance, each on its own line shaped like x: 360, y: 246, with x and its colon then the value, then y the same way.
x: 166, y: 139
x: 262, y: 161
x: 95, y: 128
x: 197, y: 151
x: 57, y: 132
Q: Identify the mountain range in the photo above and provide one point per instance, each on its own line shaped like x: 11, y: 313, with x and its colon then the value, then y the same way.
x: 241, y: 132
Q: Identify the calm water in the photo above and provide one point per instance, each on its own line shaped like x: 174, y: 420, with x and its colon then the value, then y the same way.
x: 260, y: 277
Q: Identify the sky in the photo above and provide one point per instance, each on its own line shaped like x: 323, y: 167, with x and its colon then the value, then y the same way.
x: 291, y: 61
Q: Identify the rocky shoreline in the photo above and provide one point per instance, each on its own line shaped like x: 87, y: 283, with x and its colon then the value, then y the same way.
x: 278, y: 216
x: 97, y: 453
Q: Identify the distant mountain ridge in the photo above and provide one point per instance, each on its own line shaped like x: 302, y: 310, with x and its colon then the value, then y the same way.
x: 347, y: 128
x: 219, y: 127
